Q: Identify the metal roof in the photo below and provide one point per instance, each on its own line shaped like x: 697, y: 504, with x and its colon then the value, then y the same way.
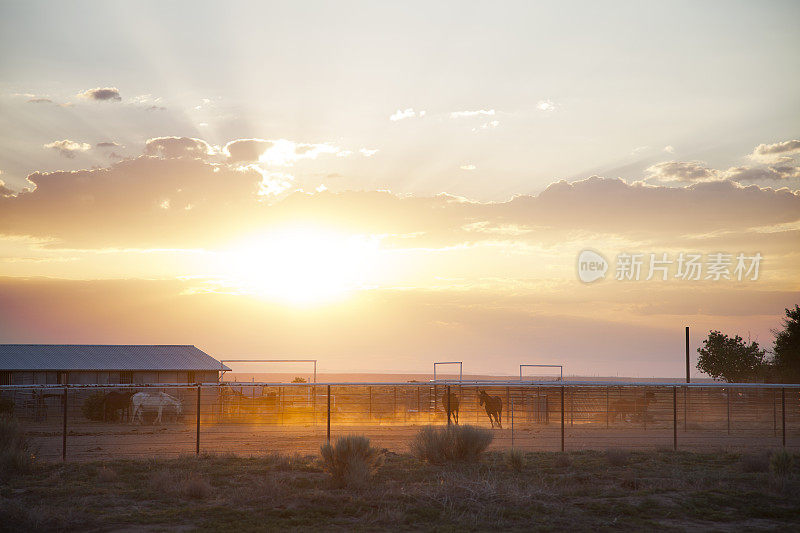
x: 105, y: 357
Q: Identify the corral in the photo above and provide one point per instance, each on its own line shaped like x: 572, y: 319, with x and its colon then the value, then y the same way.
x: 548, y: 416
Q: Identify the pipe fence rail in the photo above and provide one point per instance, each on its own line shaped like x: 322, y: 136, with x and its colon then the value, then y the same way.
x: 87, y: 422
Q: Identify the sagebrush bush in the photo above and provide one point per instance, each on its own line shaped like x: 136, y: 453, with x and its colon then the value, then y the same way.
x: 451, y: 443
x: 196, y: 487
x: 351, y: 461
x: 15, y: 452
x: 515, y: 459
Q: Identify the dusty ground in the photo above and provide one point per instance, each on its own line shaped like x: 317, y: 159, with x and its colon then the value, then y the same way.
x: 552, y: 491
x: 97, y: 441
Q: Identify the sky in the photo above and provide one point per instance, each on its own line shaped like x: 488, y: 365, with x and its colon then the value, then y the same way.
x: 380, y: 186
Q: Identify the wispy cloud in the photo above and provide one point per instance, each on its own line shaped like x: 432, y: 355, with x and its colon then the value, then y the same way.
x: 101, y: 94
x: 476, y: 113
x: 404, y: 114
x: 770, y: 152
x: 546, y: 105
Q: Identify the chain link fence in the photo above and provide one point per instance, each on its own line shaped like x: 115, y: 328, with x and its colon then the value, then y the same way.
x: 99, y: 422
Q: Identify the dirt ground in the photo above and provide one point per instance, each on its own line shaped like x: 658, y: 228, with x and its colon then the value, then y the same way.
x: 100, y: 441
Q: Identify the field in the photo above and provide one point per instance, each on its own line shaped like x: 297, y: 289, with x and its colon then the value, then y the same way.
x: 587, y: 490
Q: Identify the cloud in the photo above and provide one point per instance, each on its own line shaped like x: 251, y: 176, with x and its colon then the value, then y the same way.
x: 156, y: 108
x: 39, y: 100
x: 546, y: 105
x: 487, y: 125
x: 669, y: 149
x: 769, y: 152
x: 467, y: 167
x: 4, y: 191
x: 68, y: 148
x: 101, y: 94
x: 681, y: 171
x: 246, y: 149
x: 404, y: 114
x: 478, y: 112
x: 106, y: 144
x: 783, y: 170
x: 172, y: 147
x: 367, y: 153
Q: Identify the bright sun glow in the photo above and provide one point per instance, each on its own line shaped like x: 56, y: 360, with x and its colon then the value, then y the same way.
x: 300, y: 265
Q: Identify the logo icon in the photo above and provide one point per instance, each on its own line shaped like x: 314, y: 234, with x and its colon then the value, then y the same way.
x: 591, y: 266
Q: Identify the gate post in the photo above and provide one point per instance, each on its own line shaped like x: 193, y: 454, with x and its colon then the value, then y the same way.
x: 447, y: 391
x: 64, y: 429
x: 783, y: 415
x: 730, y: 392
x: 512, y: 423
x: 197, y: 437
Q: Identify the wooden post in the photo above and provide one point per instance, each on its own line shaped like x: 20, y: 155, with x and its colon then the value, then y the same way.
x: 329, y: 414
x: 774, y: 414
x: 730, y: 392
x: 675, y: 418
x: 512, y: 423
x: 64, y: 429
x: 607, y: 405
x: 562, y: 418
x: 783, y: 415
x: 197, y: 440
x: 369, y: 389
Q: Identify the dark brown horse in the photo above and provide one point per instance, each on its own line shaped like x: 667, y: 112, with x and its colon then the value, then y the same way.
x: 451, y: 407
x: 117, y: 403
x: 493, y: 406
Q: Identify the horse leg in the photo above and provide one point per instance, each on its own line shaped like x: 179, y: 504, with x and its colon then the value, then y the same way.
x: 160, y: 410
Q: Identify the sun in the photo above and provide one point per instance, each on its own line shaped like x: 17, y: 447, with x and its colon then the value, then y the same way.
x: 300, y: 265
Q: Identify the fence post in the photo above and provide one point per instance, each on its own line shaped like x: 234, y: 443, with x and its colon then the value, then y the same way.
x: 447, y: 391
x: 562, y: 418
x: 730, y: 392
x: 783, y: 415
x: 774, y: 414
x: 675, y: 418
x: 329, y: 414
x: 607, y: 405
x: 197, y: 439
x: 64, y: 429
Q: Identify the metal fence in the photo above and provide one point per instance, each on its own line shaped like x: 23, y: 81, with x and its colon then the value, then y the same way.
x: 97, y: 422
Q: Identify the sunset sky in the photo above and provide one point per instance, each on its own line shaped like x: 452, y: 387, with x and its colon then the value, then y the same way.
x: 381, y: 186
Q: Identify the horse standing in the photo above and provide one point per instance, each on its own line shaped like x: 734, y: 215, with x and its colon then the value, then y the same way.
x: 493, y: 406
x: 451, y: 407
x: 145, y: 400
x: 116, y: 401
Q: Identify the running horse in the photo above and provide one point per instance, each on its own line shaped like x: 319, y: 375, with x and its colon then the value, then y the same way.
x: 493, y: 406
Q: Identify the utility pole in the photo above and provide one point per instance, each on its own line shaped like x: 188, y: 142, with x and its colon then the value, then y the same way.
x: 688, y: 379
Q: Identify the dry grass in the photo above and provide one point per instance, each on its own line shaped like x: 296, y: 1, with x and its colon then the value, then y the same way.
x: 15, y: 453
x: 451, y: 443
x: 754, y: 462
x: 351, y: 461
x: 106, y: 475
x: 196, y: 487
x: 616, y: 457
x: 515, y: 459
x: 563, y: 460
x: 781, y: 463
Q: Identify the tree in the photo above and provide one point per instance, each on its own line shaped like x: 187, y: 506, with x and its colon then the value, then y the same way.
x: 298, y: 379
x: 787, y: 347
x: 730, y: 358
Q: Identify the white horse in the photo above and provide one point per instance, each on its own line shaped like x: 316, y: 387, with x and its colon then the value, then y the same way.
x: 153, y: 401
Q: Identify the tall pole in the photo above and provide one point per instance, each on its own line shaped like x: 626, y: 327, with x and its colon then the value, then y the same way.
x: 329, y: 414
x: 688, y: 378
x: 783, y: 415
x: 674, y: 418
x: 447, y: 391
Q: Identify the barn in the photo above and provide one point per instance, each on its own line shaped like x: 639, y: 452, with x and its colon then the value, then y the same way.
x: 53, y: 364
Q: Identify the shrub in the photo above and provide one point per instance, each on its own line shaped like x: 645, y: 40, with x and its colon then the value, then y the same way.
x: 92, y: 407
x: 754, y: 462
x: 516, y: 460
x: 617, y: 457
x: 451, y: 443
x: 162, y: 482
x: 780, y: 466
x: 196, y: 487
x: 351, y: 461
x: 106, y: 475
x: 15, y: 452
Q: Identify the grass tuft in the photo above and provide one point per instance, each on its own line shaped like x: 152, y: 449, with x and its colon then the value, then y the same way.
x: 351, y: 461
x: 451, y: 443
x: 563, y: 460
x: 196, y: 487
x: 515, y: 459
x: 106, y: 475
x: 780, y: 468
x: 754, y: 463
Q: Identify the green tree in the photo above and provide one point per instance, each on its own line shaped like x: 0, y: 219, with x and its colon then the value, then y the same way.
x: 730, y: 358
x: 787, y: 348
x: 298, y: 379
